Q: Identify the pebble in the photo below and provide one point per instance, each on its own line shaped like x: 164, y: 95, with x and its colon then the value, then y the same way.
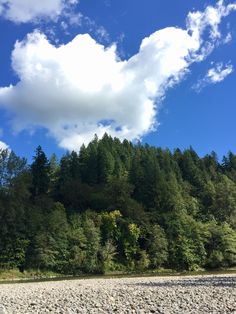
x: 145, y: 295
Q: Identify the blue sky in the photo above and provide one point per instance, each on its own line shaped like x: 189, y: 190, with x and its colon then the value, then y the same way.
x: 159, y: 71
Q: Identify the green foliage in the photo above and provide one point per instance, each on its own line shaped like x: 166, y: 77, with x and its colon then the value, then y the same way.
x: 157, y: 246
x: 224, y: 205
x: 143, y: 261
x: 221, y: 245
x: 40, y: 173
x: 130, y: 245
x: 107, y: 255
x: 92, y: 244
x: 109, y: 227
x: 48, y: 247
x: 117, y: 206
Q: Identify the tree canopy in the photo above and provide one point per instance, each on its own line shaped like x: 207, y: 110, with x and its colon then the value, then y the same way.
x: 116, y: 206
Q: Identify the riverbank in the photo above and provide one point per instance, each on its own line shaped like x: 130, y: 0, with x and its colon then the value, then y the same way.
x: 15, y: 276
x: 189, y: 294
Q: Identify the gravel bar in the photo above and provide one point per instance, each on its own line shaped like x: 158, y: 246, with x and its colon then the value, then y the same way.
x: 195, y: 294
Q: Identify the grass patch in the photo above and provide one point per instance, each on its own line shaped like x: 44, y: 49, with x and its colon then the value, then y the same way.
x: 15, y: 274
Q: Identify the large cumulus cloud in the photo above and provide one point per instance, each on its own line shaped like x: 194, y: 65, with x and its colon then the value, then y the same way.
x: 82, y: 87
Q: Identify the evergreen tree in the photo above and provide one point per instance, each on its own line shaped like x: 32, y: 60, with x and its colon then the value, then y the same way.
x: 117, y: 206
x: 40, y: 173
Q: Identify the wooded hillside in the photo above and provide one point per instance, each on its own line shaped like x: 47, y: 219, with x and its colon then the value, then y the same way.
x: 117, y: 206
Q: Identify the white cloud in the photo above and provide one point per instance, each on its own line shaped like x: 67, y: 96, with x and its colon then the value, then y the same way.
x: 228, y: 38
x: 219, y: 73
x: 75, y: 19
x: 3, y: 145
x: 214, y: 75
x: 82, y: 88
x: 22, y: 11
x: 198, y: 21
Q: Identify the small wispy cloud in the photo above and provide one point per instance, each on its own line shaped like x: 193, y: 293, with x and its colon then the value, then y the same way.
x: 70, y: 22
x: 227, y: 38
x: 78, y: 19
x: 214, y: 75
x: 212, y: 16
x: 3, y: 146
x: 219, y: 73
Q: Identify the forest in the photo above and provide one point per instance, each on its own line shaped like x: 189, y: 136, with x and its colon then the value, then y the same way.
x: 117, y: 206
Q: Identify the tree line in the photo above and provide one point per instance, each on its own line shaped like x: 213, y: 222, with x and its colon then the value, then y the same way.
x: 116, y: 206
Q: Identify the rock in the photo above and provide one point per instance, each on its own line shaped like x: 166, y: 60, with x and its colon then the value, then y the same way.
x: 3, y: 310
x: 167, y: 295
